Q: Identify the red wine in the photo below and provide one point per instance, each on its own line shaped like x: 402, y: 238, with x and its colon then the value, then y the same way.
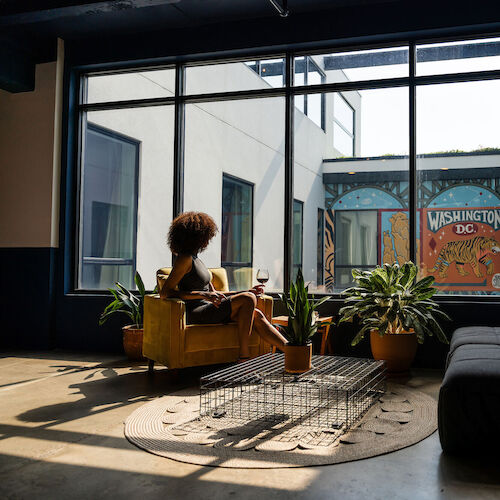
x: 262, y: 281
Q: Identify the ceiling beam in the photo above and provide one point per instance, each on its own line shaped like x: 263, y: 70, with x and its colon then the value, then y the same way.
x: 17, y: 69
x: 18, y: 13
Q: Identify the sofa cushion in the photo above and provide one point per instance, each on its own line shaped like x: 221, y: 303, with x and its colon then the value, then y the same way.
x: 469, y: 399
x: 473, y: 335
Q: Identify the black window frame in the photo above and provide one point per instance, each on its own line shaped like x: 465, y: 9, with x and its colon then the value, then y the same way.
x: 75, y: 73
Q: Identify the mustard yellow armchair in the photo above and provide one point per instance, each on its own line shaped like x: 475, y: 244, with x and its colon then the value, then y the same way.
x: 170, y: 341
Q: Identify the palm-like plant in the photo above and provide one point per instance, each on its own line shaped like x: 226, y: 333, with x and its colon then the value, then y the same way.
x: 388, y: 299
x: 301, y: 322
x: 126, y: 302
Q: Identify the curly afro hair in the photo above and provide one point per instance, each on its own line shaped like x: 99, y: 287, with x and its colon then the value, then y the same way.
x: 191, y: 233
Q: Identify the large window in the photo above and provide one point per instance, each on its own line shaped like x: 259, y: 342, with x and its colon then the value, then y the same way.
x: 390, y: 161
x: 236, y: 244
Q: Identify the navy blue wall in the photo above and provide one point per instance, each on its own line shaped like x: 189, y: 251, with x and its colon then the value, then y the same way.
x: 27, y: 298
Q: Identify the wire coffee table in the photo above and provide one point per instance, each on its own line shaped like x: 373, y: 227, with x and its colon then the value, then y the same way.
x: 334, y: 394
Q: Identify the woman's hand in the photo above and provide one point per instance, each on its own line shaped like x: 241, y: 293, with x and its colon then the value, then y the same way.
x: 257, y: 290
x: 214, y: 297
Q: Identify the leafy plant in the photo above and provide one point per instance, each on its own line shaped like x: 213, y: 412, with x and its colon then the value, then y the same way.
x: 390, y: 300
x: 301, y: 322
x: 126, y: 302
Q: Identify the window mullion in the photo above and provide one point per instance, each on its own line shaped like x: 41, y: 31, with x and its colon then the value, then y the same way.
x: 288, y: 212
x: 412, y: 198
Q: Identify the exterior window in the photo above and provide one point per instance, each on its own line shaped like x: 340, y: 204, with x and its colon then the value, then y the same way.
x: 343, y: 126
x: 321, y: 246
x: 237, y: 241
x: 307, y: 72
x: 108, y: 209
x: 355, y: 243
x: 298, y: 217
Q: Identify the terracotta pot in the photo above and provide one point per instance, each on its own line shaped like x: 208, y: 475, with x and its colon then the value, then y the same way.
x: 298, y: 358
x: 397, y: 349
x: 132, y: 341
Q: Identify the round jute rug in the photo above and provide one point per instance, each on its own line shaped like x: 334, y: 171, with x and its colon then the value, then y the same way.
x: 172, y: 427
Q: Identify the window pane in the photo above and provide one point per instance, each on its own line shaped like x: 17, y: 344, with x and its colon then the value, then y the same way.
x: 133, y: 85
x: 234, y: 76
x: 300, y: 80
x: 126, y: 198
x: 363, y: 65
x: 236, y: 244
x: 343, y: 113
x: 297, y: 237
x: 342, y: 141
x: 459, y: 174
x: 315, y: 108
x: 458, y: 57
x: 245, y: 140
x: 365, y: 197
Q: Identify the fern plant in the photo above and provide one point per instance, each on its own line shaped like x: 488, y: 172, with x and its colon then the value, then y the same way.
x: 126, y: 302
x: 389, y: 299
x: 301, y: 321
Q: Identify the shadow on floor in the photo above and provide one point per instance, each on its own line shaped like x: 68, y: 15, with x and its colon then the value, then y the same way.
x: 474, y: 469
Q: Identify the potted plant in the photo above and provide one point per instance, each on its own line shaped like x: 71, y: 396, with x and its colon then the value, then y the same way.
x: 301, y: 325
x: 126, y: 302
x: 396, y: 309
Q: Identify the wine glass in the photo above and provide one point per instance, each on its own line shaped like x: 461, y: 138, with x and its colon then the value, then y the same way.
x: 262, y: 276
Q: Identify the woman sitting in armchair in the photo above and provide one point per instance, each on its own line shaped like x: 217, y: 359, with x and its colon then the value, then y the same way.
x: 189, y: 280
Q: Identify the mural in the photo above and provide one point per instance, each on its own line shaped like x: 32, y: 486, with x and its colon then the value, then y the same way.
x: 461, y: 248
x: 329, y: 249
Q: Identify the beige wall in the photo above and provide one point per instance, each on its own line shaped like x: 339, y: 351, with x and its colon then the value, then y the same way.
x: 27, y: 162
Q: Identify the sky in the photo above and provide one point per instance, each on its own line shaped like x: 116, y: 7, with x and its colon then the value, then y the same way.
x: 462, y: 116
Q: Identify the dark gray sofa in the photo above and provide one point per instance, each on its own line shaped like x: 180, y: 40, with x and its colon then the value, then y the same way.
x: 469, y: 399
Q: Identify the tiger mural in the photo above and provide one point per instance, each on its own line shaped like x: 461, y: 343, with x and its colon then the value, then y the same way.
x: 473, y: 251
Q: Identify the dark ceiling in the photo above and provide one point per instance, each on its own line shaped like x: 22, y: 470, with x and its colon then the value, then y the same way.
x: 29, y: 28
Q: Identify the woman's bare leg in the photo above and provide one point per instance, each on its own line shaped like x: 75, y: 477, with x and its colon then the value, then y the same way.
x: 242, y: 309
x: 267, y: 331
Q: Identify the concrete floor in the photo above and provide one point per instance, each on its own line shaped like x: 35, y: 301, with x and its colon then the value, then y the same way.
x: 61, y: 436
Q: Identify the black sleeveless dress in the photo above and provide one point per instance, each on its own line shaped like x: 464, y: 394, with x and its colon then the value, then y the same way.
x: 199, y: 311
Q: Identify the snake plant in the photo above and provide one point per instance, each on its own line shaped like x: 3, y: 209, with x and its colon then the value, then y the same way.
x: 389, y: 299
x: 302, y: 323
x: 126, y: 302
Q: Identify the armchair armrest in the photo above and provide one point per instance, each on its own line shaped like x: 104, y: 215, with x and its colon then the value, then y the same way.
x: 265, y: 304
x: 164, y: 323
